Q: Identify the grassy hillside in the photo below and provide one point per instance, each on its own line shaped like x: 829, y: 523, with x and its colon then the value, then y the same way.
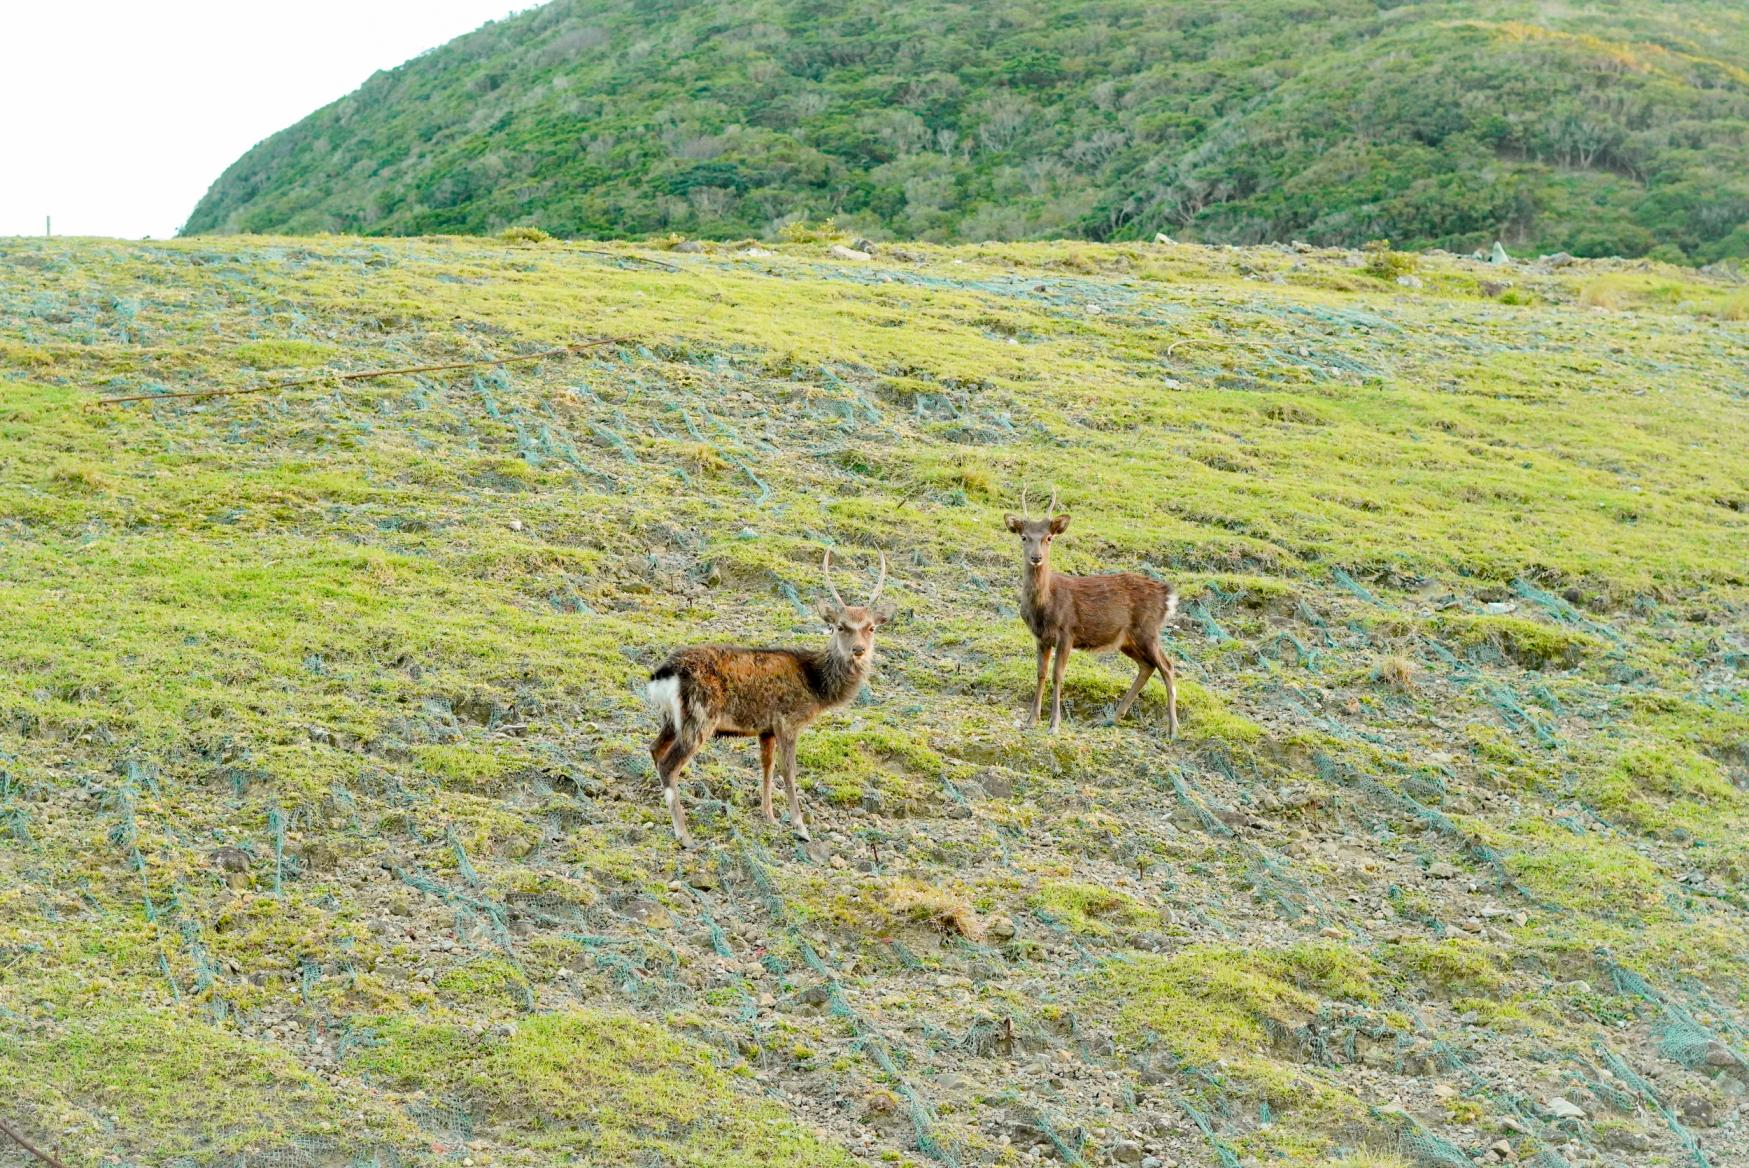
x: 328, y: 836
x: 1602, y: 129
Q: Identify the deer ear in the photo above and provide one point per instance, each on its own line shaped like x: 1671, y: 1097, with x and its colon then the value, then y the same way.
x: 1059, y: 525
x: 1013, y: 521
x: 884, y: 613
x: 827, y: 612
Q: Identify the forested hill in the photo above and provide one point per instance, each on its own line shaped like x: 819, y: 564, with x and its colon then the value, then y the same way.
x: 1603, y: 128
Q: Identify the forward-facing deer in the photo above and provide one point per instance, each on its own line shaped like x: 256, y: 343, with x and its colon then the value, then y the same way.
x: 1123, y: 611
x: 715, y: 691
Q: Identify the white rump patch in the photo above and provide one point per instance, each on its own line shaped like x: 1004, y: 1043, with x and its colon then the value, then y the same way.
x: 1171, y: 604
x: 664, y: 695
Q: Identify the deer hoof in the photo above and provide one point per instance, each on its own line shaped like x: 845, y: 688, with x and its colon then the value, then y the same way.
x: 802, y: 834
x: 687, y: 843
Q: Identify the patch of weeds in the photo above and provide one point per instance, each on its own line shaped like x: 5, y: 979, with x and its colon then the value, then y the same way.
x: 1585, y: 873
x: 171, y: 1083
x: 609, y: 1087
x: 1525, y: 642
x: 1453, y: 964
x: 485, y: 981
x: 1090, y: 908
x: 1207, y: 1000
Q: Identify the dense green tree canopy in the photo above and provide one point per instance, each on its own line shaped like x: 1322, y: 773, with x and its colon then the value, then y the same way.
x: 1598, y: 128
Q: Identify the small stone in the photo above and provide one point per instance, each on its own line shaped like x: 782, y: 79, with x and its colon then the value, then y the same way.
x: 1498, y: 255
x: 1719, y: 1055
x: 689, y: 246
x: 516, y: 525
x: 839, y: 251
x: 1562, y: 1108
x: 1409, y: 281
x: 1000, y: 929
x: 1127, y: 1152
x: 1442, y: 870
x: 230, y: 859
x: 862, y: 245
x: 1162, y: 237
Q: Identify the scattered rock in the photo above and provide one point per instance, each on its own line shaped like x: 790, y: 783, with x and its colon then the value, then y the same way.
x: 1624, y: 1140
x: 1494, y: 288
x: 810, y: 1001
x: 1126, y: 1152
x: 1498, y: 255
x: 862, y: 245
x: 1442, y: 870
x: 839, y: 251
x: 1162, y: 237
x: 1563, y: 1108
x: 1559, y: 260
x: 230, y: 859
x: 1409, y: 281
x: 756, y: 252
x: 1719, y: 1055
x: 689, y: 246
x: 999, y: 929
x: 1697, y: 1111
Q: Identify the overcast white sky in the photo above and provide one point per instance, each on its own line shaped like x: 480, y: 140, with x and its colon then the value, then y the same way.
x: 116, y: 116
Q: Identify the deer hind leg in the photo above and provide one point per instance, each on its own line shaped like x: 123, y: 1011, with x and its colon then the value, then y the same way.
x: 1058, y: 666
x: 767, y: 755
x: 786, y: 750
x: 660, y: 747
x: 1144, y: 670
x: 685, y: 744
x: 1038, y: 697
x: 1169, y: 675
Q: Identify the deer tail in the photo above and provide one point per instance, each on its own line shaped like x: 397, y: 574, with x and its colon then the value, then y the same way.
x: 663, y: 696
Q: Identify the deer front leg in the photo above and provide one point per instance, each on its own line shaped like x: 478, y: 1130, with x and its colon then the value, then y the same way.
x: 1038, y: 697
x: 1057, y: 683
x: 786, y: 750
x: 767, y: 752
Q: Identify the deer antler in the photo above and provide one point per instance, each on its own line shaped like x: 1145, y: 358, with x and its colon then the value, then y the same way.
x: 1025, y: 510
x: 881, y: 583
x: 826, y: 569
x: 1052, y: 509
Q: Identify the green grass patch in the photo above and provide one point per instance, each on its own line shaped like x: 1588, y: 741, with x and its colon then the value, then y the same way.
x: 604, y: 1086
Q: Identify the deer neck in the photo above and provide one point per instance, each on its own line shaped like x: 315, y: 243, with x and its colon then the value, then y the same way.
x: 837, y: 676
x: 1037, y: 586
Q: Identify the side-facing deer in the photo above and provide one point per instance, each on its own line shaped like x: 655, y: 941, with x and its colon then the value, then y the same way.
x: 715, y: 691
x: 1123, y: 611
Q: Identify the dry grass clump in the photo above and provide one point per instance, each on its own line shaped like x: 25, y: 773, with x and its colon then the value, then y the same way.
x: 939, y: 908
x: 1395, y: 671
